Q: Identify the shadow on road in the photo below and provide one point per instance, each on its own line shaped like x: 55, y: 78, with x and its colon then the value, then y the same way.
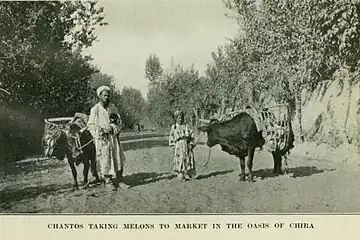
x: 213, y: 174
x: 301, y: 171
x: 30, y: 167
x: 305, y: 171
x: 137, y: 179
x: 13, y: 195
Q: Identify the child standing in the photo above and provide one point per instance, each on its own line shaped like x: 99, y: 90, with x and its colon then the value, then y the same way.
x: 182, y: 141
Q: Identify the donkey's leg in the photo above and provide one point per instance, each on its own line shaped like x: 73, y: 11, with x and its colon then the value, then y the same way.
x: 86, y: 172
x: 250, y: 163
x: 93, y: 169
x: 277, y: 162
x: 242, y: 167
x: 286, y: 164
x: 74, y: 173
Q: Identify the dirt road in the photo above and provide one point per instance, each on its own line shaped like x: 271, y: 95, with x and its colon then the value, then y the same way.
x: 315, y: 185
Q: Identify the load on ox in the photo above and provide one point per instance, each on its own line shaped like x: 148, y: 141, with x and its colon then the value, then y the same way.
x: 239, y: 133
x: 273, y: 122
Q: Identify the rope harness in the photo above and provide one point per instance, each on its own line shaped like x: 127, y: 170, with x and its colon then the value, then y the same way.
x: 208, y: 160
x: 78, y: 143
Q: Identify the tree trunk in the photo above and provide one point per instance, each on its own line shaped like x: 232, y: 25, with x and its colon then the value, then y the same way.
x: 251, y: 94
x: 223, y: 106
x: 234, y: 101
x: 345, y: 136
x: 299, y: 114
x: 221, y: 110
x: 195, y: 118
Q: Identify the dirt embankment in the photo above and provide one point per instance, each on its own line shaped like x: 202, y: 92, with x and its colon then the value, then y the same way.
x: 331, y: 113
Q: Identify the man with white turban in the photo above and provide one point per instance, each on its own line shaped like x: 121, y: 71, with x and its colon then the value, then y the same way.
x: 109, y: 153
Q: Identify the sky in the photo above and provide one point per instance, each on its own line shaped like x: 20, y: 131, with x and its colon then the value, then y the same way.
x: 187, y: 30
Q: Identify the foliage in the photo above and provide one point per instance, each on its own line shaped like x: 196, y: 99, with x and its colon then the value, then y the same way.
x: 174, y: 90
x: 132, y: 106
x: 153, y: 69
x: 43, y: 67
x: 41, y: 60
x: 284, y: 47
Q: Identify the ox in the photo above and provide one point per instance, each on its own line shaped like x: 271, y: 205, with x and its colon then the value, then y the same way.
x: 76, y: 143
x: 239, y: 136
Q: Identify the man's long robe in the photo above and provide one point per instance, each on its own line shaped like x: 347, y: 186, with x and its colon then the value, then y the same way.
x: 109, y: 153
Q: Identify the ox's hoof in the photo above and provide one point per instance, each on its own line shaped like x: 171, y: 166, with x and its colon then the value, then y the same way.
x: 75, y: 188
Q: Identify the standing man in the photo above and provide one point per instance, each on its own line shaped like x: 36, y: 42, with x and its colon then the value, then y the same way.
x: 109, y: 153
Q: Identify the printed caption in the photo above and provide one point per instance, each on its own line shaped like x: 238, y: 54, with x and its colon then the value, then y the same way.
x: 180, y: 226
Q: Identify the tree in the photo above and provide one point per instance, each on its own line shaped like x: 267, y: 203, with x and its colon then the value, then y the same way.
x: 132, y: 106
x: 175, y: 90
x: 153, y: 69
x: 41, y: 58
x: 284, y: 47
x: 43, y: 66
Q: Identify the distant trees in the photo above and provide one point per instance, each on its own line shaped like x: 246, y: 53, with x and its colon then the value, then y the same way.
x: 284, y: 47
x: 153, y: 69
x: 132, y: 106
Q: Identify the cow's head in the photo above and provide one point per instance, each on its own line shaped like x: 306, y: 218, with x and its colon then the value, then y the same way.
x: 209, y: 126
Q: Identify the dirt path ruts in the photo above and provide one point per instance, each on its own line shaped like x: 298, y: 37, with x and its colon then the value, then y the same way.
x: 315, y: 185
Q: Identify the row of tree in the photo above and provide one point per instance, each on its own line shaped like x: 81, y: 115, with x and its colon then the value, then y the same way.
x: 283, y: 48
x: 45, y: 70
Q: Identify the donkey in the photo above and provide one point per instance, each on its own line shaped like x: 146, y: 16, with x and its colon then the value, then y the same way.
x: 76, y: 144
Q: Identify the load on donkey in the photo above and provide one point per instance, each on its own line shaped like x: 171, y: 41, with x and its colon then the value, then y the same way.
x: 69, y: 137
x: 239, y: 133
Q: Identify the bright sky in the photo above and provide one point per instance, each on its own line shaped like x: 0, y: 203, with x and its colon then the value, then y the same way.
x: 188, y: 30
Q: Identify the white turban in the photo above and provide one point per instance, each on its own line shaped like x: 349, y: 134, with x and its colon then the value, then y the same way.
x: 102, y: 88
